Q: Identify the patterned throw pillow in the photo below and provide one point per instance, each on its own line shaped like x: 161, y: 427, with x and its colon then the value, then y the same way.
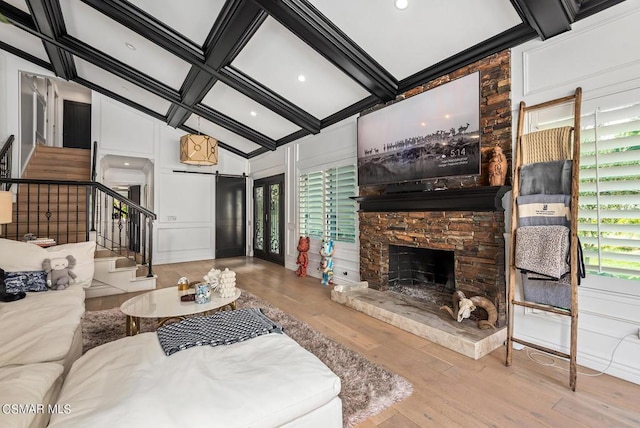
x: 16, y: 282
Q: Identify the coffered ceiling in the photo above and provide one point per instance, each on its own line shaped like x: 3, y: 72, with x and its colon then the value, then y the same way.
x: 257, y: 74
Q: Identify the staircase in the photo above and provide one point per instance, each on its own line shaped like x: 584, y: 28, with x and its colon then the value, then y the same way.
x: 115, y: 274
x: 48, y: 211
x: 60, y: 212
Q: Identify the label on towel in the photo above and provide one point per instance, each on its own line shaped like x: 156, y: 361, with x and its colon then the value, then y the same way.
x: 543, y: 210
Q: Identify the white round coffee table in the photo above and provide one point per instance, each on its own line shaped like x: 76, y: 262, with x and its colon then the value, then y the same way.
x: 165, y: 304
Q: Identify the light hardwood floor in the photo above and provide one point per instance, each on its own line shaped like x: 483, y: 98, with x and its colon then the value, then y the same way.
x: 450, y: 390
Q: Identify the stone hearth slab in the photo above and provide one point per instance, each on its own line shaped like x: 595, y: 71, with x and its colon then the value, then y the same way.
x: 424, y: 320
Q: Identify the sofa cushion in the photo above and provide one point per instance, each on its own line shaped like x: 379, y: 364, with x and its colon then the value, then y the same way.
x: 41, y: 327
x: 262, y: 382
x: 16, y: 256
x: 33, y: 387
x: 16, y: 282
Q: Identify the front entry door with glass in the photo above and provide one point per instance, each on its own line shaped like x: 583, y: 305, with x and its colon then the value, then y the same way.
x: 268, y: 215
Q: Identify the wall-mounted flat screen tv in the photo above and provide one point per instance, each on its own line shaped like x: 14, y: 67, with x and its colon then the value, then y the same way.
x: 430, y: 135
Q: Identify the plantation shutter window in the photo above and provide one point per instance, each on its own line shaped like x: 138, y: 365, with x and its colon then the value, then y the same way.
x: 312, y: 204
x: 326, y: 210
x: 609, y: 205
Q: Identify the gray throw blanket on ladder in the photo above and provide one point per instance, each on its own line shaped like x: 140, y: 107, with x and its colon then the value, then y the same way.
x: 221, y: 328
x: 543, y: 250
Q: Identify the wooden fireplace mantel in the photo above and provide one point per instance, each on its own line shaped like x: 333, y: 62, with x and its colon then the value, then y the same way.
x: 480, y: 198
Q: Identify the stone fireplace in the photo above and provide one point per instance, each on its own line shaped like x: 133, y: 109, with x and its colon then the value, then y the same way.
x: 417, y: 248
x: 469, y: 223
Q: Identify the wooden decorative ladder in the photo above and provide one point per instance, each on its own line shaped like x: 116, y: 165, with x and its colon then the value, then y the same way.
x: 576, y: 99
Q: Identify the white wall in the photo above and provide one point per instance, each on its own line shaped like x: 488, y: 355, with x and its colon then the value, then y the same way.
x: 10, y: 68
x: 601, y: 55
x: 334, y: 146
x: 184, y: 203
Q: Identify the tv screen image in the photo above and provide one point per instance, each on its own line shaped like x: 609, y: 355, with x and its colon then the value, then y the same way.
x: 430, y: 135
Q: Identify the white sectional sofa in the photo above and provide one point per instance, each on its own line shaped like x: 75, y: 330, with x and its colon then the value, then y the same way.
x: 40, y: 335
x: 267, y: 381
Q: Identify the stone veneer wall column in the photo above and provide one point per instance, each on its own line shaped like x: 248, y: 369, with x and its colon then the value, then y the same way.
x: 475, y: 237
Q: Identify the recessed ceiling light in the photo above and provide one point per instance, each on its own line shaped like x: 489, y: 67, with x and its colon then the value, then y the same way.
x: 254, y: 114
x: 130, y: 46
x: 401, y: 4
x: 301, y: 78
x: 127, y: 164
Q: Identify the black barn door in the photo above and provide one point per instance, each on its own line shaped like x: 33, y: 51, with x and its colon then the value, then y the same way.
x: 231, y: 229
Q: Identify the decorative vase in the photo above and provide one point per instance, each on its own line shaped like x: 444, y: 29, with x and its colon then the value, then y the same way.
x: 227, y: 284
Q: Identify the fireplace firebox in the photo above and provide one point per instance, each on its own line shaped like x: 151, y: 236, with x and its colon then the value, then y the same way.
x: 423, y: 273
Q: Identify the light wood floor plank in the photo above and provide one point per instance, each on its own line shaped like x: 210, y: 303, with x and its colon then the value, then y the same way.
x: 450, y: 389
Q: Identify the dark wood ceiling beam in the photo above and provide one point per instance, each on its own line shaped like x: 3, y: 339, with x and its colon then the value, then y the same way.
x: 306, y: 22
x: 257, y: 152
x: 588, y: 8
x: 110, y: 64
x: 236, y: 23
x: 505, y: 40
x: 149, y: 27
x: 349, y: 111
x: 327, y: 121
x: 547, y: 17
x: 234, y: 126
x: 263, y: 95
x: 126, y: 101
x: 194, y: 88
x: 18, y: 17
x: 47, y: 16
x: 17, y: 52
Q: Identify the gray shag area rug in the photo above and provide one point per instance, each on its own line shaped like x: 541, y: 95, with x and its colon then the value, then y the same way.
x: 367, y: 388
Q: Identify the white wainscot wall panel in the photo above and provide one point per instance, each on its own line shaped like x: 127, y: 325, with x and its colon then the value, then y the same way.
x: 584, y: 54
x: 229, y: 163
x: 185, y: 198
x: 268, y: 164
x: 604, y: 319
x: 124, y: 130
x: 182, y: 244
x: 170, y: 149
x: 345, y: 259
x: 334, y: 145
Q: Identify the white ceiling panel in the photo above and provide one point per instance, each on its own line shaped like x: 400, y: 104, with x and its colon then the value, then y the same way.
x: 106, y: 35
x: 192, y: 18
x: 20, y: 4
x: 245, y: 110
x: 275, y: 58
x: 113, y: 83
x: 407, y: 41
x: 22, y: 40
x: 219, y: 133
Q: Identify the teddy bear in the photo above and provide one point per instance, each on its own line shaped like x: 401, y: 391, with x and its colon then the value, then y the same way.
x: 59, y: 273
x: 303, y: 257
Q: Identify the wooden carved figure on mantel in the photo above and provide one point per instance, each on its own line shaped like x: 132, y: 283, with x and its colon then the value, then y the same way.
x: 497, y: 167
